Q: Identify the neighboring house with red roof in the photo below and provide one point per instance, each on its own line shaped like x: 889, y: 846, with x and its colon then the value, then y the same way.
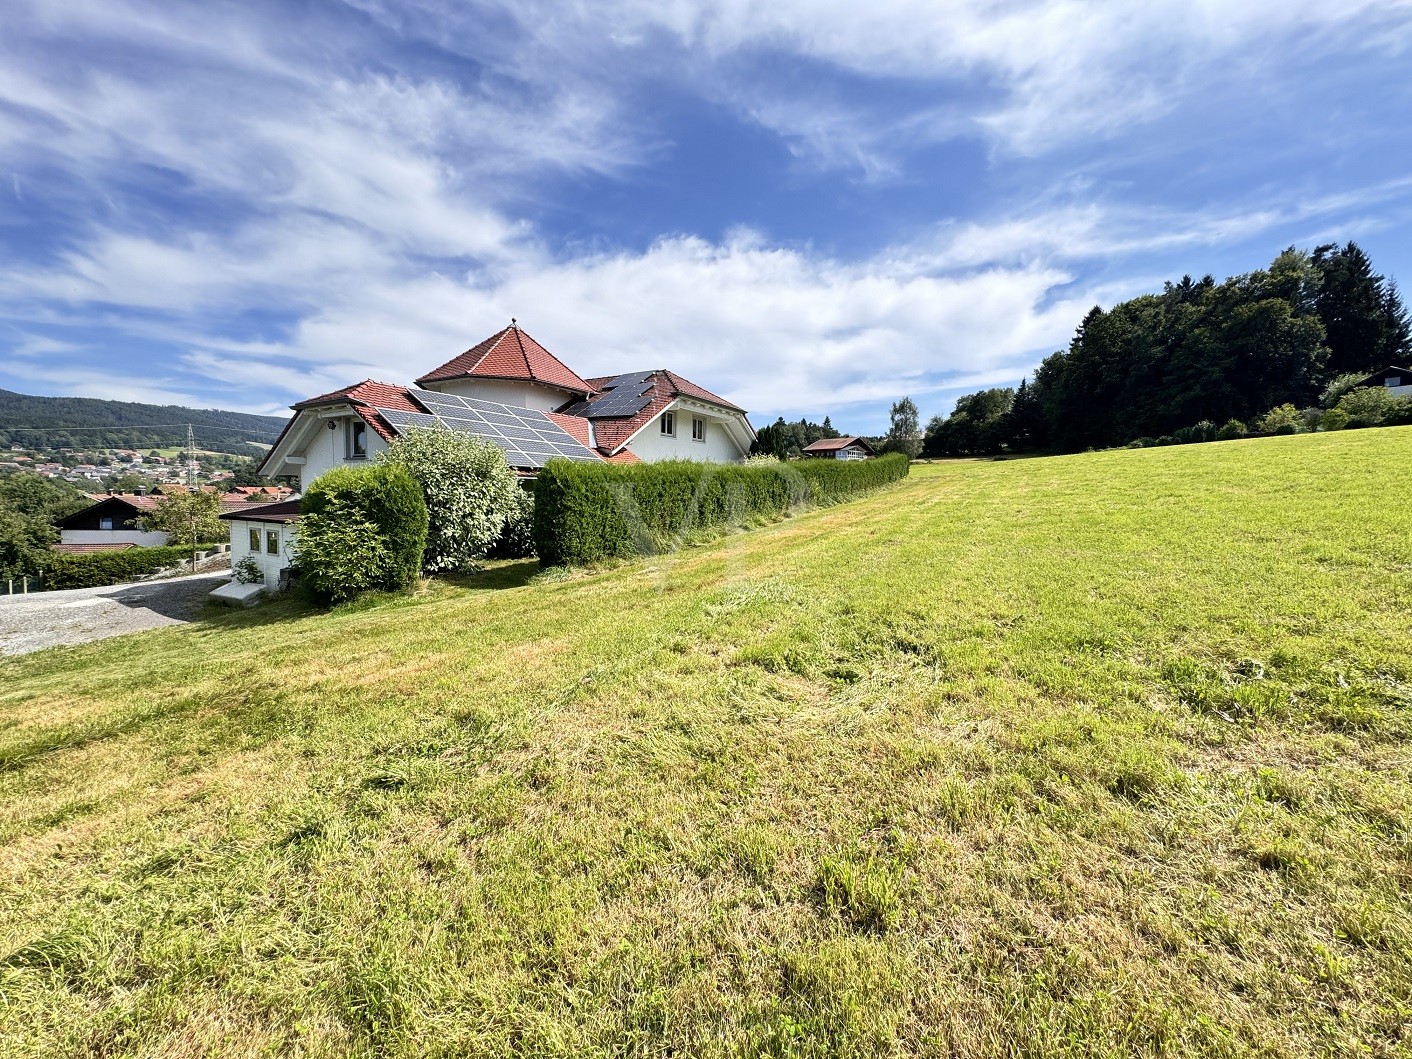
x: 849, y: 448
x: 113, y: 521
x: 513, y: 392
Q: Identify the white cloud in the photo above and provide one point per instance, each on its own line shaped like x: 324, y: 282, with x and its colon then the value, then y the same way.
x: 375, y: 213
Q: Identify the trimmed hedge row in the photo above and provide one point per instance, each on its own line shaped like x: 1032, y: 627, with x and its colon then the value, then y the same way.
x: 361, y: 529
x: 585, y: 512
x: 96, y: 569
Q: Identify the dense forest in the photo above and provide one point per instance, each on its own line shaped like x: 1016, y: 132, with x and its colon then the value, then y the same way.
x: 785, y: 440
x: 40, y: 423
x: 1200, y: 358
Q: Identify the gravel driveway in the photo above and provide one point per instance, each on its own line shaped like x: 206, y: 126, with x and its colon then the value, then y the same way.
x: 46, y: 619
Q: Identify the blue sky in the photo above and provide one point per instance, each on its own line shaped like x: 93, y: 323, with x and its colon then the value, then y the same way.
x: 810, y: 206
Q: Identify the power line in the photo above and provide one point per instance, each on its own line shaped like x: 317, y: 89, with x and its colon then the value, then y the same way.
x: 142, y: 426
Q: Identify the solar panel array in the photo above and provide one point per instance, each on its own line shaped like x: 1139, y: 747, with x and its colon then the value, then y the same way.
x: 624, y: 395
x: 528, y: 436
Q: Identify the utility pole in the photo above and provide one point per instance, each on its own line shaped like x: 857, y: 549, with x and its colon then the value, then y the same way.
x: 192, y: 486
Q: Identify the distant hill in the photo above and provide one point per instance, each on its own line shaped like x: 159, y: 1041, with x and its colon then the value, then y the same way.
x: 87, y: 422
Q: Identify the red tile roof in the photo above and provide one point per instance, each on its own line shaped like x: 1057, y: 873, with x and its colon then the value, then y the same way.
x: 667, y: 386
x: 86, y: 549
x: 834, y: 444
x: 363, y: 397
x: 510, y: 354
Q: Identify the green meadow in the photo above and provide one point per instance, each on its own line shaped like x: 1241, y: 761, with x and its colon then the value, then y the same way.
x: 1098, y: 755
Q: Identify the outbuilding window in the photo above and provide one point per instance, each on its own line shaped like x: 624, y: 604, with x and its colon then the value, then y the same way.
x: 1393, y: 380
x: 698, y: 429
x: 255, y: 541
x: 272, y: 541
x: 669, y: 424
x: 105, y: 523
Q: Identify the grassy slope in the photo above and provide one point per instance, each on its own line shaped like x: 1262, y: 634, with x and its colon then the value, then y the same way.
x: 1099, y: 755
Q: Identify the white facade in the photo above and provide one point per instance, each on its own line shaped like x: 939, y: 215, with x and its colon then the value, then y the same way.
x: 1398, y: 386
x: 334, y: 441
x: 698, y: 431
x: 141, y: 538
x: 270, y: 544
x: 515, y: 393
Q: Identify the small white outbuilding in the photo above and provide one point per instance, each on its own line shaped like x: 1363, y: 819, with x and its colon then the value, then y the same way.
x: 265, y: 533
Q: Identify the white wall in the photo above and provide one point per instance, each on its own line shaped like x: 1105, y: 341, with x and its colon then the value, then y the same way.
x: 270, y: 565
x: 328, y: 448
x: 651, y: 445
x: 506, y: 391
x: 153, y: 539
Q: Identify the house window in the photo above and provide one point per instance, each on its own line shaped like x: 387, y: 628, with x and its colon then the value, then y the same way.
x: 105, y: 523
x: 669, y: 424
x: 698, y: 429
x: 255, y: 541
x: 272, y: 541
x: 1393, y: 380
x: 357, y: 440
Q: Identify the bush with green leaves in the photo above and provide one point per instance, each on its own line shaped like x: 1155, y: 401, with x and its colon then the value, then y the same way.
x: 247, y: 571
x: 361, y: 529
x: 1373, y: 406
x: 1196, y: 434
x: 516, y: 540
x: 1232, y: 430
x: 1335, y: 390
x: 587, y: 512
x: 1282, y: 419
x: 95, y: 569
x: 469, y: 489
x: 1334, y: 419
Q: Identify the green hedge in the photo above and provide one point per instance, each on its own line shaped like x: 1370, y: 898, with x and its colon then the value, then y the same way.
x: 585, y: 512
x: 361, y: 529
x: 96, y: 569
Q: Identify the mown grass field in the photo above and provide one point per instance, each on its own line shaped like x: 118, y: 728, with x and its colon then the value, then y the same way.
x: 1103, y: 755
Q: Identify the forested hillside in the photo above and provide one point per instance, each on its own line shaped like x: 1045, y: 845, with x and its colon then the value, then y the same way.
x: 39, y: 422
x: 1198, y: 356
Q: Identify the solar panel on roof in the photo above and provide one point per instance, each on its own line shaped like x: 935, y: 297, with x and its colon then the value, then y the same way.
x: 528, y: 436
x: 618, y: 403
x: 629, y: 379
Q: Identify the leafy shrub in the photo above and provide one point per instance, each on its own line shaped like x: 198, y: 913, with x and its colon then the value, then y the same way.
x: 516, y: 540
x: 1373, y: 406
x: 248, y: 571
x: 361, y: 528
x: 1310, y: 418
x: 96, y: 569
x: 469, y: 490
x: 586, y: 512
x: 1232, y: 430
x: 1335, y: 390
x: 1283, y: 419
x: 1334, y: 419
x: 1199, y: 432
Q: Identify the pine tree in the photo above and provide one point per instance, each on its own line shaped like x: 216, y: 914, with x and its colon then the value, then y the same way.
x: 1352, y: 306
x: 1397, y: 337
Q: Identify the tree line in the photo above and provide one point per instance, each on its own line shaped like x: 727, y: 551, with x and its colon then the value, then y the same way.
x: 1202, y: 357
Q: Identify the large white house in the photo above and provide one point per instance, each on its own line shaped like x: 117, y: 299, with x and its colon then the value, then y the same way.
x: 512, y: 391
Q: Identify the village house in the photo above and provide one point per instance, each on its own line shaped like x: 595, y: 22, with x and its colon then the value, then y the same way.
x: 113, y: 522
x: 849, y: 448
x: 1397, y: 381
